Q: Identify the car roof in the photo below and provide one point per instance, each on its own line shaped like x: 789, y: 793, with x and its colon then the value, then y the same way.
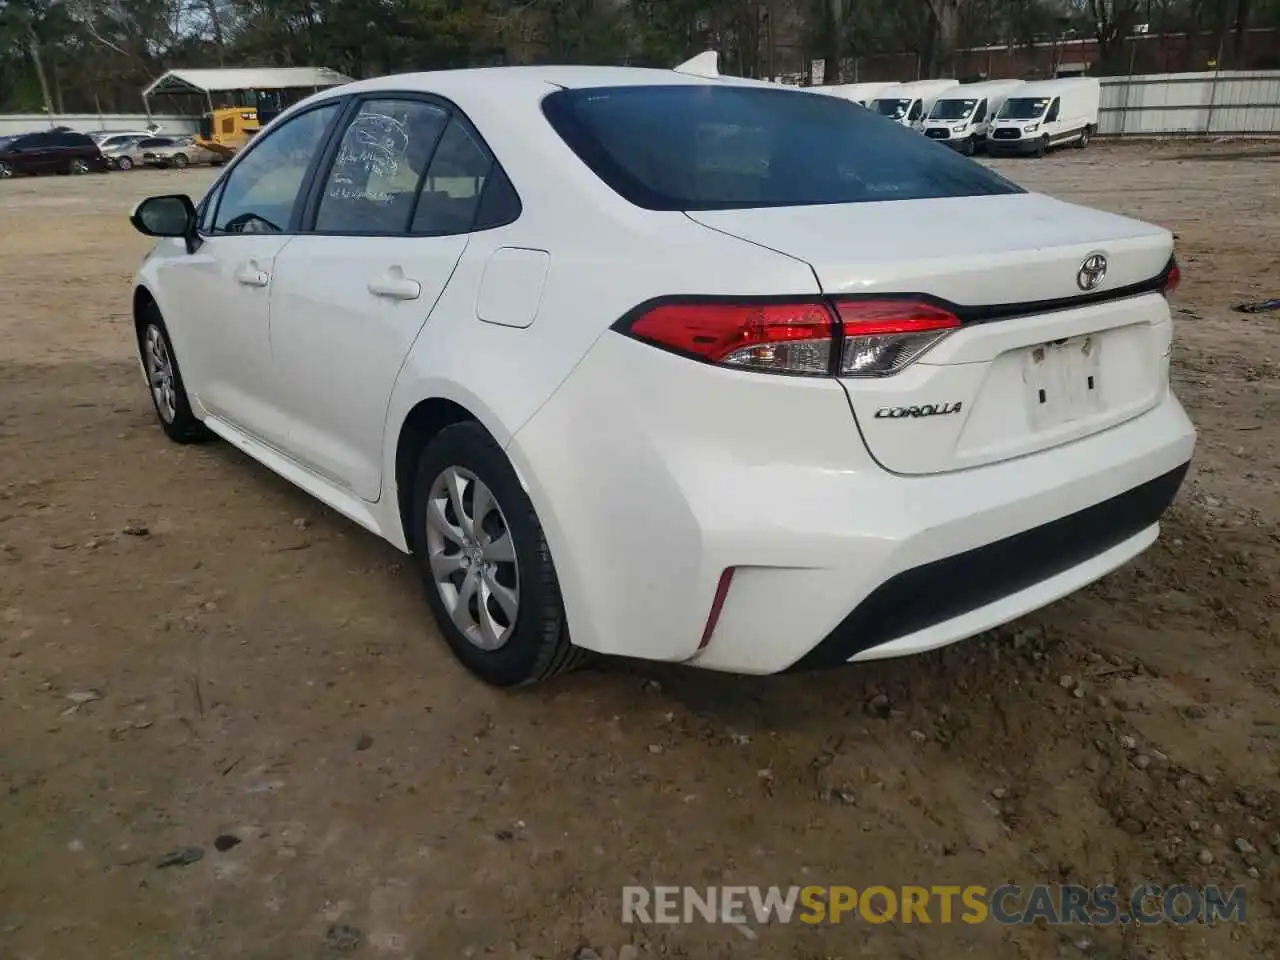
x: 481, y: 81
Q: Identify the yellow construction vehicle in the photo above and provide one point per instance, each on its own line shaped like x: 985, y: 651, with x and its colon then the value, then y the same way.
x: 227, y: 129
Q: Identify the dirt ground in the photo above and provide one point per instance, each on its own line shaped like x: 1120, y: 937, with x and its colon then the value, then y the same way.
x: 190, y: 648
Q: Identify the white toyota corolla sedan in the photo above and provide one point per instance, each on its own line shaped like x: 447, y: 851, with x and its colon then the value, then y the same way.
x: 681, y: 368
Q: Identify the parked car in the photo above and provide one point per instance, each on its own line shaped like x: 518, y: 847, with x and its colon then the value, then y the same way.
x: 1045, y: 114
x: 177, y: 152
x: 691, y: 369
x: 108, y: 138
x: 124, y: 152
x: 961, y: 117
x: 53, y: 151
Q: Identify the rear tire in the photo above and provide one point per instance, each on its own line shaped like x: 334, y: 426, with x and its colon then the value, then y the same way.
x: 124, y: 163
x: 489, y: 579
x: 6, y: 170
x: 79, y: 166
x: 164, y: 380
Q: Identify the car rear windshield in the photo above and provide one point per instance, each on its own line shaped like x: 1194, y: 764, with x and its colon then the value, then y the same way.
x: 705, y: 147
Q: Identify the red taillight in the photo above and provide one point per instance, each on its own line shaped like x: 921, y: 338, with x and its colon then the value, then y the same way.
x: 717, y: 604
x: 1172, y: 278
x: 883, y: 336
x: 878, y: 337
x: 778, y: 337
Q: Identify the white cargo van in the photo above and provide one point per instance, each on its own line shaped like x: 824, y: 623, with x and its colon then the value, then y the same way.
x: 1046, y: 113
x: 860, y: 93
x: 909, y: 103
x: 961, y: 116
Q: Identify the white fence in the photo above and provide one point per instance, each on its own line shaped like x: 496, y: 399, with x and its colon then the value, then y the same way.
x: 11, y: 123
x: 1227, y: 103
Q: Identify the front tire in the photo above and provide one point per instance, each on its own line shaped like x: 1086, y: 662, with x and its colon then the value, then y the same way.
x: 1085, y: 135
x: 1042, y: 147
x: 967, y: 147
x: 485, y: 563
x: 164, y: 379
x: 124, y: 163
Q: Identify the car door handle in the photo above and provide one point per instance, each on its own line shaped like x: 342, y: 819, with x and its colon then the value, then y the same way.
x: 253, y: 277
x: 394, y: 285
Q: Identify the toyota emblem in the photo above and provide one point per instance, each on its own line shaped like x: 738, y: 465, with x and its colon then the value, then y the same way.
x: 1092, y: 271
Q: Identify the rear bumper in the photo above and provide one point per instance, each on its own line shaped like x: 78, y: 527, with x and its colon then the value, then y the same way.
x: 928, y: 605
x: 653, y: 474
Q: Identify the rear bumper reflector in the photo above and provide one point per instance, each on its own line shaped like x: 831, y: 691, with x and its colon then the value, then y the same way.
x: 717, y: 604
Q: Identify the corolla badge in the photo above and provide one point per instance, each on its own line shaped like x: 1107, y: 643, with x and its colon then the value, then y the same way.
x: 1092, y: 272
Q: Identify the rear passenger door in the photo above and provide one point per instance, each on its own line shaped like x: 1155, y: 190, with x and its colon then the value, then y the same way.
x: 34, y: 153
x: 386, y: 224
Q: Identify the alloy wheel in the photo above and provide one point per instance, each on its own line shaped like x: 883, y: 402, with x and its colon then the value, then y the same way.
x: 6, y: 171
x: 472, y: 557
x: 160, y: 374
x: 79, y: 166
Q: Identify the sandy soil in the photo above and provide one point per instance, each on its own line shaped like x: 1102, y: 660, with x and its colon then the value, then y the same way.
x: 190, y: 648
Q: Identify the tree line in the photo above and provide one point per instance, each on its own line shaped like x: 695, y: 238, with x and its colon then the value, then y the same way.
x: 96, y: 55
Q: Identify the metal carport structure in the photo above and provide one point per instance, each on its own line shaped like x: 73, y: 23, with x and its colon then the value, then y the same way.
x: 207, y: 83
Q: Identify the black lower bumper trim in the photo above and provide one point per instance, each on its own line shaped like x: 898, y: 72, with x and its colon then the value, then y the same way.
x: 927, y: 595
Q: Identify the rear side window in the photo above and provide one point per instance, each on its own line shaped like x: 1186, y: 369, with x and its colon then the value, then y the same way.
x: 454, y: 183
x: 707, y: 147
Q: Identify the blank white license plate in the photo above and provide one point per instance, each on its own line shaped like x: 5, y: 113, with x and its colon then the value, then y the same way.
x: 1063, y: 381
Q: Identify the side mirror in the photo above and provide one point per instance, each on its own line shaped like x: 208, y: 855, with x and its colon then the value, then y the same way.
x: 172, y: 215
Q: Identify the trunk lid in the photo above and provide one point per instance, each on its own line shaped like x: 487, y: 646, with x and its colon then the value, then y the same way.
x: 989, y: 391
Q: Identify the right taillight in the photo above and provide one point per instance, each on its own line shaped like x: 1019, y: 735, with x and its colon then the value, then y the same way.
x: 883, y: 336
x: 847, y: 338
x: 1172, y: 278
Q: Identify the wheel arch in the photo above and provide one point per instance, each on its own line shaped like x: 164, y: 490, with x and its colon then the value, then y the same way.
x: 420, y: 424
x: 143, y: 300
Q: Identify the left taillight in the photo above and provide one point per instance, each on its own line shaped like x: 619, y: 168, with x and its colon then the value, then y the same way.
x: 853, y: 338
x: 773, y: 337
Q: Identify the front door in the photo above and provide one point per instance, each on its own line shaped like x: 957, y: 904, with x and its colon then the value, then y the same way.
x: 226, y: 285
x: 391, y: 219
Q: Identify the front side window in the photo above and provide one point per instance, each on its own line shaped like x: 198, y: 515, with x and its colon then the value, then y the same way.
x: 705, y: 147
x: 381, y: 159
x: 262, y: 189
x: 210, y: 206
x: 1053, y: 111
x: 916, y: 109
